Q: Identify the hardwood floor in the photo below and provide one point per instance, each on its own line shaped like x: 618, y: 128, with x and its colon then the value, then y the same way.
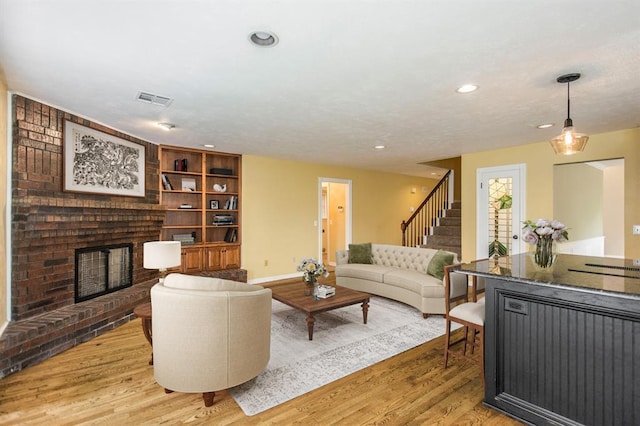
x: 108, y: 381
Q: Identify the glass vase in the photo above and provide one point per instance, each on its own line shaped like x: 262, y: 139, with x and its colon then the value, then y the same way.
x: 311, y: 284
x: 544, y: 255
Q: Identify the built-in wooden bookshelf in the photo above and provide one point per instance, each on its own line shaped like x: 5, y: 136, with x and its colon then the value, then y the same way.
x: 202, y: 192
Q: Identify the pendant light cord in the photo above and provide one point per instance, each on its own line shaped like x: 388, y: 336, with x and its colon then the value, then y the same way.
x: 568, y: 101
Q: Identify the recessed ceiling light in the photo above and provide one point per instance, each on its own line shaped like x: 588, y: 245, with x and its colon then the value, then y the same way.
x: 467, y: 88
x: 544, y: 126
x: 263, y: 38
x: 166, y: 126
x: 379, y: 147
x: 208, y: 145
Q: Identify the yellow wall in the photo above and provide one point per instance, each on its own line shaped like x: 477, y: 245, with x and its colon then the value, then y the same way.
x: 280, y: 205
x: 3, y: 202
x: 540, y: 158
x: 583, y: 208
x: 451, y: 164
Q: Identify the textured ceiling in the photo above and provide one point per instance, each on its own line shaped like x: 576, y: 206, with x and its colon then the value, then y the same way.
x: 345, y: 76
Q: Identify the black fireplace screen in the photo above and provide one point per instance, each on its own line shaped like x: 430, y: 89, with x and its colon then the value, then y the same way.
x: 102, y: 270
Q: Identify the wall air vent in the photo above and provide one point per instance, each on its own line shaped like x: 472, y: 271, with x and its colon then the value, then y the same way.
x: 150, y: 98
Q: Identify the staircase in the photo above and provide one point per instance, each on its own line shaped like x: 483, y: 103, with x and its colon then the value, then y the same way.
x: 436, y: 223
x: 447, y: 232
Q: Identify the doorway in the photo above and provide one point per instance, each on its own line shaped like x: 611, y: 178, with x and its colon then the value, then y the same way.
x: 500, y: 206
x: 589, y: 197
x: 334, y: 218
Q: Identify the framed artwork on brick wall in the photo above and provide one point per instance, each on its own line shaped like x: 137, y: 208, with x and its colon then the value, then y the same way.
x: 100, y: 163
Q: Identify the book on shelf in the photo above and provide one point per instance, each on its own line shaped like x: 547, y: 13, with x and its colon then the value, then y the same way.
x: 220, y: 171
x: 180, y: 165
x: 223, y: 219
x: 231, y: 235
x: 166, y: 183
x: 232, y: 203
x: 185, y: 239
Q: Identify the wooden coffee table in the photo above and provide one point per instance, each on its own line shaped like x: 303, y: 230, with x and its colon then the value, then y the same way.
x: 292, y: 294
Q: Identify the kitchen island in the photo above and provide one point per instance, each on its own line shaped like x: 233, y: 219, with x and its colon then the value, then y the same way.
x: 562, y: 346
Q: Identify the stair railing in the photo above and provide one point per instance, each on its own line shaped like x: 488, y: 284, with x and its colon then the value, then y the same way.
x: 416, y: 228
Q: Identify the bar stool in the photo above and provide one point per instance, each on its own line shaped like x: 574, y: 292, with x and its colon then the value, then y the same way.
x: 470, y: 315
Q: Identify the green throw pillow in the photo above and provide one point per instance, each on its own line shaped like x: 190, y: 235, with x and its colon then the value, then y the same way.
x: 438, y: 262
x: 360, y: 253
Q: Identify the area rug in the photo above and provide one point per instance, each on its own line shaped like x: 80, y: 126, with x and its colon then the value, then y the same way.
x: 341, y: 345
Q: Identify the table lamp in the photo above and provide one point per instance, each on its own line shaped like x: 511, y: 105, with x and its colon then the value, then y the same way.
x: 162, y: 255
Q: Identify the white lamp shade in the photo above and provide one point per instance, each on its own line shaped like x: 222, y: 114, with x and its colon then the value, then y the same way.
x: 162, y: 254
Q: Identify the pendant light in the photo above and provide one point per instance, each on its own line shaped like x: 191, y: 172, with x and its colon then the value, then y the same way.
x: 569, y: 141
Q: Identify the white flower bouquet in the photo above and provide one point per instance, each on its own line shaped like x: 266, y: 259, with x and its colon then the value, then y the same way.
x: 311, y: 269
x: 542, y: 233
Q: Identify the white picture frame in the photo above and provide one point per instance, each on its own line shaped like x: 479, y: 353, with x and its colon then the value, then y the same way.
x: 98, y: 163
x: 188, y: 184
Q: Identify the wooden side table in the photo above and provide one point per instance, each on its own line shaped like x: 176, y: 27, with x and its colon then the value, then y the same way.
x: 144, y: 313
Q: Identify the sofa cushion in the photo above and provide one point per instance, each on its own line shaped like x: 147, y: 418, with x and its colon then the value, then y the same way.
x: 472, y: 312
x: 360, y: 253
x: 365, y: 272
x: 422, y: 284
x: 439, y: 260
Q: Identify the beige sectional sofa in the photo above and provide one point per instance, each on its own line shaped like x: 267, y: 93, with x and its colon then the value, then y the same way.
x: 400, y: 273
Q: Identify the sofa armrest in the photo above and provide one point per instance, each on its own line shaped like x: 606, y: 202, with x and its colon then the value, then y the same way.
x: 342, y: 257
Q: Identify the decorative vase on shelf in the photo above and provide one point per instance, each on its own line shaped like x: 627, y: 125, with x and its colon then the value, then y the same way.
x: 544, y: 255
x: 315, y: 290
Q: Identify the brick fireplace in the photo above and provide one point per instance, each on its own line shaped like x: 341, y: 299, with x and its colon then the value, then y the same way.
x: 49, y: 225
x: 102, y: 270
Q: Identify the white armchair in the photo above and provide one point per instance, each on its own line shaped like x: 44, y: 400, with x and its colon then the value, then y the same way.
x: 209, y: 334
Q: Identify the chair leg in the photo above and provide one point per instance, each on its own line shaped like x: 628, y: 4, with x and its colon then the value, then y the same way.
x: 447, y: 339
x: 481, y: 334
x: 473, y: 346
x: 466, y: 337
x: 208, y: 398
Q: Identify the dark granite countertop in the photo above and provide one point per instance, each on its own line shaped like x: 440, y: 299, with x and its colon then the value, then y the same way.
x: 586, y: 273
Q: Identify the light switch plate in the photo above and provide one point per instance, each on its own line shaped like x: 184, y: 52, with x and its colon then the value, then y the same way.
x: 636, y: 229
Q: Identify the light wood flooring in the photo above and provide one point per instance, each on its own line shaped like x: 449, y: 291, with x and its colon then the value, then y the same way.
x: 108, y: 381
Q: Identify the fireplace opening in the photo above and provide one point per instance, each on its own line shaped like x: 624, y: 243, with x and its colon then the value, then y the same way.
x: 102, y: 270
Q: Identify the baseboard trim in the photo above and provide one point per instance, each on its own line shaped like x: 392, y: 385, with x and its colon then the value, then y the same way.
x: 274, y: 278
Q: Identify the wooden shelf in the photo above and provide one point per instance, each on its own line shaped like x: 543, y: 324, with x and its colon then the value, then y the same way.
x: 224, y: 240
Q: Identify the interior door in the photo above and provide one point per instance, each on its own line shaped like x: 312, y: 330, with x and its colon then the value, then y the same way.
x: 334, y: 217
x: 500, y: 210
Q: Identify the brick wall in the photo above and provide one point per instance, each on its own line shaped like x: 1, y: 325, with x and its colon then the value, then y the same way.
x: 48, y: 224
